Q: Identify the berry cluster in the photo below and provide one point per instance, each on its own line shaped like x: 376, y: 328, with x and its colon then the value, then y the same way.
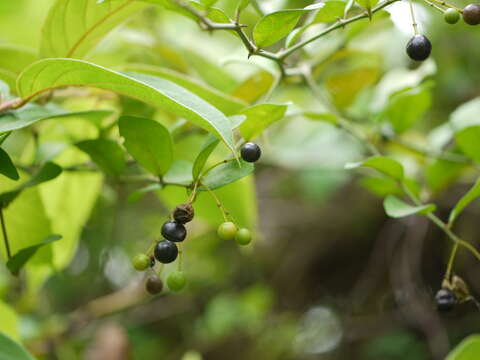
x: 229, y: 231
x: 419, y: 47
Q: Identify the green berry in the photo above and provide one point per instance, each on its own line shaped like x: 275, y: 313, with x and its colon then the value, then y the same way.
x: 243, y: 237
x: 176, y: 281
x: 154, y: 285
x: 141, y: 262
x: 227, y: 231
x: 451, y: 16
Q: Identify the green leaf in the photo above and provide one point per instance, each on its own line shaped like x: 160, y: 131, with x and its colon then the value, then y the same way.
x: 139, y: 193
x: 9, y: 324
x: 255, y: 87
x: 242, y: 4
x: 48, y: 172
x: 13, y: 59
x: 107, y: 154
x: 385, y: 165
x: 202, y: 157
x: 330, y: 12
x: 225, y: 103
x: 368, y: 4
x: 226, y: 174
x: 468, y: 349
x: 49, y: 74
x: 17, y: 261
x: 407, y: 106
x: 466, y: 199
x: 6, y: 166
x: 275, y: 26
x: 326, y: 117
x: 31, y: 113
x: 10, y: 350
x: 149, y: 142
x: 72, y: 28
x: 259, y: 117
x: 180, y: 173
x: 466, y: 125
x: 396, y: 208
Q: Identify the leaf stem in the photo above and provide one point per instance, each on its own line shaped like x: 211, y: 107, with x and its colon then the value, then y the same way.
x: 5, y: 236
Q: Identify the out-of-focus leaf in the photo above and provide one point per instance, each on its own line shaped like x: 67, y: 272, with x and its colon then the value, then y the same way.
x: 259, y: 117
x: 254, y: 87
x: 466, y: 199
x: 53, y: 73
x: 468, y: 349
x: 396, y: 208
x: 18, y: 260
x: 139, y: 193
x: 242, y: 4
x: 149, y: 142
x: 10, y: 350
x: 407, y: 106
x: 327, y: 117
x: 225, y: 103
x: 202, y: 157
x: 332, y: 10
x: 9, y: 323
x: 180, y: 173
x: 466, y: 125
x: 6, y: 166
x: 368, y: 4
x: 385, y: 165
x: 72, y: 28
x: 226, y: 174
x: 275, y: 26
x: 13, y: 59
x: 441, y: 173
x: 107, y: 154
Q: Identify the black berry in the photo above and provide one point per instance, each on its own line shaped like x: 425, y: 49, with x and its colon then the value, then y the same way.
x: 152, y: 261
x: 174, y: 231
x: 183, y: 213
x: 445, y: 300
x: 419, y: 48
x: 154, y: 284
x: 250, y: 152
x: 166, y: 251
x: 471, y: 14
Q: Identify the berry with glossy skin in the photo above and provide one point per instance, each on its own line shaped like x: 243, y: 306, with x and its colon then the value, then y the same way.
x: 250, y: 152
x: 183, y: 213
x: 166, y: 251
x: 174, y: 231
x: 445, y: 300
x: 243, y: 237
x: 176, y: 281
x: 227, y: 231
x: 154, y: 284
x: 451, y: 16
x: 471, y: 14
x: 419, y: 48
x: 141, y: 262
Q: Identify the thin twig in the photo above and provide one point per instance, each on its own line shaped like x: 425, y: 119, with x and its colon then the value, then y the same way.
x: 5, y: 236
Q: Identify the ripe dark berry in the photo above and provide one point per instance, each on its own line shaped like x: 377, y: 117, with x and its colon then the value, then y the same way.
x: 166, y: 251
x: 243, y: 237
x: 183, y: 213
x: 445, y: 300
x: 141, y: 262
x: 152, y: 261
x: 419, y: 48
x: 176, y: 281
x: 471, y: 14
x: 227, y: 231
x: 250, y: 152
x: 451, y: 16
x: 174, y: 231
x: 154, y: 284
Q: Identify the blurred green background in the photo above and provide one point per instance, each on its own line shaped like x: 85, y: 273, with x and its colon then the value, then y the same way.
x: 328, y: 276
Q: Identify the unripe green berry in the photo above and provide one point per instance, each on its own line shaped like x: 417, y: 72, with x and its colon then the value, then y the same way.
x: 451, y: 16
x: 243, y: 237
x: 227, y: 231
x: 141, y: 262
x: 176, y: 280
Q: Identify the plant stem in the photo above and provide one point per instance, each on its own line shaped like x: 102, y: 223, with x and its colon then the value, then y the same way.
x: 412, y: 14
x: 217, y: 201
x: 5, y: 236
x: 443, y: 3
x: 451, y: 259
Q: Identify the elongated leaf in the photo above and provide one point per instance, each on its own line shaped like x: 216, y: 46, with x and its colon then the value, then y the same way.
x: 6, y: 166
x: 275, y: 26
x: 466, y: 125
x: 201, y: 159
x: 54, y: 73
x: 466, y: 199
x: 9, y: 324
x: 259, y: 117
x: 226, y: 174
x: 332, y: 10
x: 13, y: 59
x: 48, y: 172
x: 385, y: 165
x: 468, y: 349
x: 107, y: 154
x: 17, y: 261
x: 225, y: 103
x: 254, y: 87
x: 149, y: 142
x: 179, y: 173
x: 30, y: 114
x: 10, y: 350
x: 74, y: 27
x: 396, y: 208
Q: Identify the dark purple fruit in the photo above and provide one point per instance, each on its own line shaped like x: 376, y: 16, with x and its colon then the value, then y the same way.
x: 166, y: 251
x: 174, y: 231
x: 419, y: 48
x: 471, y: 14
x: 445, y: 300
x: 250, y: 152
